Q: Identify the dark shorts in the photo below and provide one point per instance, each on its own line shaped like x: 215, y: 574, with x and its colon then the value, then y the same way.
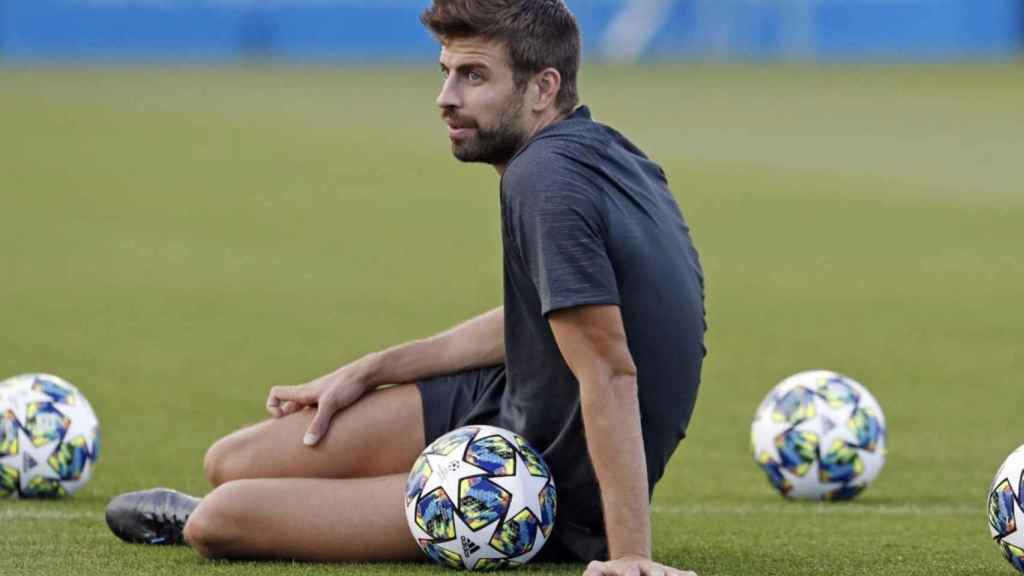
x: 453, y: 400
x: 474, y: 397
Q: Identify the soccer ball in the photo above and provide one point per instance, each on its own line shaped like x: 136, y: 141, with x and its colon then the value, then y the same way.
x: 49, y: 437
x: 819, y: 435
x: 1004, y: 508
x: 480, y: 498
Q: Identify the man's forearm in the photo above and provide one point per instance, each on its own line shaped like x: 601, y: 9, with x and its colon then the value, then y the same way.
x: 475, y: 343
x: 611, y: 417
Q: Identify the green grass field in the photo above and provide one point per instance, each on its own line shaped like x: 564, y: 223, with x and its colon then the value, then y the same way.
x: 175, y: 242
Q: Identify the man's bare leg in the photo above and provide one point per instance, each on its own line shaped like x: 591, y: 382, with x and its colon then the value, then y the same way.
x: 359, y: 519
x: 381, y: 434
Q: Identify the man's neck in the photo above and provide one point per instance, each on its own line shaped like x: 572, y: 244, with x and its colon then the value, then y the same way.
x: 540, y: 123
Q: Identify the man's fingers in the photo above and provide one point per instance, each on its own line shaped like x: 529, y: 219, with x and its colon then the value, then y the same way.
x: 290, y: 406
x: 655, y: 569
x: 280, y: 396
x: 303, y: 394
x: 632, y: 568
x: 273, y: 405
x: 318, y: 427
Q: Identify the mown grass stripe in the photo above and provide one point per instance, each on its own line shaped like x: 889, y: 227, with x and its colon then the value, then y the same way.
x: 36, y: 514
x: 822, y: 509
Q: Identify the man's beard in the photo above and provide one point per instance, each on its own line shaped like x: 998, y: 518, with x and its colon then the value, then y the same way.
x: 494, y: 145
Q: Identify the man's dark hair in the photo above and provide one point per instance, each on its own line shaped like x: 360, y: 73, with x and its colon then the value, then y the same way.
x: 538, y: 34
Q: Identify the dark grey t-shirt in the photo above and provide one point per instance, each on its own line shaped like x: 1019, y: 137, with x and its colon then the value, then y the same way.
x: 587, y: 218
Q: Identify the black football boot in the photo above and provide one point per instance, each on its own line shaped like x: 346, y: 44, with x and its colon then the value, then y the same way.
x: 154, y: 516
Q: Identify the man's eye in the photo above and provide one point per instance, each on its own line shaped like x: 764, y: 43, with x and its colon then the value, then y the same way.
x: 474, y: 76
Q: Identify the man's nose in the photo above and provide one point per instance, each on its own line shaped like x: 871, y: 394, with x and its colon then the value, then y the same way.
x: 449, y: 97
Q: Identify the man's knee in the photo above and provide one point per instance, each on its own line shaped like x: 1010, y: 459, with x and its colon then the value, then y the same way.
x: 210, y: 525
x: 201, y: 532
x: 221, y: 463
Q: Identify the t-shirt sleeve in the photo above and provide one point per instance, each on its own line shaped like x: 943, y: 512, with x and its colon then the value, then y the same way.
x: 559, y: 229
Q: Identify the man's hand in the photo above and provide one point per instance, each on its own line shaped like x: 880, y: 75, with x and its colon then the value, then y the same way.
x: 592, y: 340
x: 330, y: 394
x: 475, y: 343
x: 633, y: 566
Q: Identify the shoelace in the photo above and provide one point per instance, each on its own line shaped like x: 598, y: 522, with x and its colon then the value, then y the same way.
x: 169, y: 525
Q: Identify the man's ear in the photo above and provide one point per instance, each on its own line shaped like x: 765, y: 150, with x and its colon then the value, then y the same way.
x: 547, y: 83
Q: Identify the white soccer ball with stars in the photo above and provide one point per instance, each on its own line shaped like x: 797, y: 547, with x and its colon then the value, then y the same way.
x: 480, y: 498
x: 49, y: 437
x: 819, y: 435
x: 1005, y: 514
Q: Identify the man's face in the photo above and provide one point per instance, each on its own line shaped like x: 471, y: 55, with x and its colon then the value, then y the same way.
x: 480, y: 102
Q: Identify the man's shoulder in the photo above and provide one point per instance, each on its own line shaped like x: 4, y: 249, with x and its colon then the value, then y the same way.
x: 561, y: 152
x: 538, y: 162
x: 547, y: 169
x: 574, y: 134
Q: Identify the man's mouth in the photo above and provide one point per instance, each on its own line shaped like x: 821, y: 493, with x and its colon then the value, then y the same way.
x: 456, y: 123
x: 458, y: 129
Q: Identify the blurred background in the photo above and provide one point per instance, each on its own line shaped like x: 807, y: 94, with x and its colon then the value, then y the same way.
x: 204, y: 30
x: 200, y: 199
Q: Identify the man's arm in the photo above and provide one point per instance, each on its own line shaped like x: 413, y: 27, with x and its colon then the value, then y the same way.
x: 475, y: 343
x: 592, y: 340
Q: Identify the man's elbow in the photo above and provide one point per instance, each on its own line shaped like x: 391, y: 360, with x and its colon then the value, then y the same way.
x: 624, y: 382
x: 617, y: 385
x: 623, y: 370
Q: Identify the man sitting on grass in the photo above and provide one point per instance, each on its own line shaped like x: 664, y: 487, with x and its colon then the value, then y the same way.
x: 594, y: 358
